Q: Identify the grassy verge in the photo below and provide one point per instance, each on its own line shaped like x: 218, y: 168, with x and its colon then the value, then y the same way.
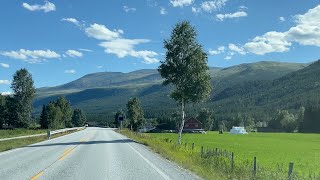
x: 213, y: 166
x: 19, y: 132
x: 17, y: 143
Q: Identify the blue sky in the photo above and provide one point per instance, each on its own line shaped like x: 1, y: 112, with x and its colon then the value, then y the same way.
x: 60, y: 41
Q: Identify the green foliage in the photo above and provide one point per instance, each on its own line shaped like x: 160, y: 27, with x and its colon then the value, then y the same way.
x: 2, y: 110
x: 185, y: 67
x: 285, y: 120
x: 78, y: 118
x: 255, y: 89
x: 44, y: 117
x: 311, y: 119
x: 59, y: 114
x: 116, y: 117
x: 66, y: 110
x: 24, y: 91
x: 205, y: 117
x: 135, y: 114
x: 54, y: 113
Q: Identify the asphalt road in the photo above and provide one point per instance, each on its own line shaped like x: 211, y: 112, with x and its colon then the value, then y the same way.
x: 93, y: 153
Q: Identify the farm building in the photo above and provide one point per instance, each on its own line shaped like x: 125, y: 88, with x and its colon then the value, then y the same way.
x: 193, y: 125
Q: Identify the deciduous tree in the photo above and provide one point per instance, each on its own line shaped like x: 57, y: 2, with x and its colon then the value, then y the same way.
x: 135, y: 114
x: 24, y: 91
x: 185, y: 67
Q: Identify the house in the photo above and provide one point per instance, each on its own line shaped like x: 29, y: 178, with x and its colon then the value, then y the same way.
x: 192, y: 125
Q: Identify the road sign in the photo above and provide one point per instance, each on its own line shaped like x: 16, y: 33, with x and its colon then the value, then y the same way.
x: 121, y: 118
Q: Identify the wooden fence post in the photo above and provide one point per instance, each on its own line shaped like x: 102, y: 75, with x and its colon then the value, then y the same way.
x: 201, y: 151
x: 290, y: 177
x: 216, y: 152
x: 254, y: 165
x: 192, y: 146
x: 232, y: 160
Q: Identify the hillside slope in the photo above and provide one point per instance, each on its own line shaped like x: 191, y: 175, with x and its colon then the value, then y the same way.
x: 102, y: 93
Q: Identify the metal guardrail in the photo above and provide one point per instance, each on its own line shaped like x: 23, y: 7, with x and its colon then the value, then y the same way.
x: 43, y: 134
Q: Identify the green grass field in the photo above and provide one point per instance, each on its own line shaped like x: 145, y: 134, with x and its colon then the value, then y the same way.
x: 272, y: 150
x: 19, y: 132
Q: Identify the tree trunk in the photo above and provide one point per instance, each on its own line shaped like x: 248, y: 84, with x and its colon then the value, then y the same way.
x: 182, y: 122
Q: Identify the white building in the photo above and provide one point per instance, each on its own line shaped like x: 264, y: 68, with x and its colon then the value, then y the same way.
x: 238, y: 130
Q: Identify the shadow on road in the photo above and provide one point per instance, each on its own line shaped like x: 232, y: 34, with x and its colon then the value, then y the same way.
x: 85, y: 143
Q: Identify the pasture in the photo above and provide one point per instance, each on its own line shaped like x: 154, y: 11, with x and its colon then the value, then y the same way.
x: 272, y: 150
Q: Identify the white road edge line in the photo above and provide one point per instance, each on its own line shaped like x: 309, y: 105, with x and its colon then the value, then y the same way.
x: 150, y: 163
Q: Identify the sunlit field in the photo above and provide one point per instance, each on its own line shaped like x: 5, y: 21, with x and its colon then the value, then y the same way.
x: 272, y: 150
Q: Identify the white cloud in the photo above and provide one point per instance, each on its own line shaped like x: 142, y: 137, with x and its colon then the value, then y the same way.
x: 242, y: 8
x: 31, y: 56
x: 129, y: 9
x: 228, y: 57
x: 71, y: 20
x: 74, y: 53
x: 70, y: 71
x: 306, y: 32
x: 163, y: 11
x: 101, y: 32
x: 222, y: 17
x: 4, y: 65
x: 85, y: 50
x: 215, y: 5
x: 181, y: 3
x: 125, y: 47
x: 209, y: 6
x: 196, y: 10
x: 113, y: 43
x: 220, y: 50
x: 235, y: 48
x: 47, y: 7
x: 282, y: 19
x: 99, y: 67
x: 270, y: 42
x: 6, y: 93
x: 5, y: 82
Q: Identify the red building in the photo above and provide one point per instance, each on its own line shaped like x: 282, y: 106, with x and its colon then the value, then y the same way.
x: 192, y: 124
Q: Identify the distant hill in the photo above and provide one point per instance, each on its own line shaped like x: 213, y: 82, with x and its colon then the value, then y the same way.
x: 295, y: 89
x: 103, y: 93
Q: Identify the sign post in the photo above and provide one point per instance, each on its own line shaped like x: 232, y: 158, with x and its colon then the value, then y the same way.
x: 121, y: 119
x: 49, y: 134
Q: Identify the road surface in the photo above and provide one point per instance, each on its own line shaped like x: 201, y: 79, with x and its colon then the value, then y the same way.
x: 93, y: 153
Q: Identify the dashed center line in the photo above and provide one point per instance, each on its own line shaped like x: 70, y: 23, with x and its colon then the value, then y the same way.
x: 66, y: 152
x: 36, y: 176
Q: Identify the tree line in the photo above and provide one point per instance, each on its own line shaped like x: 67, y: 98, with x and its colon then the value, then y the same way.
x: 16, y: 109
x: 59, y: 114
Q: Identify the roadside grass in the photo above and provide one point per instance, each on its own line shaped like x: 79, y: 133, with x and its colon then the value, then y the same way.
x: 273, y: 151
x: 19, y: 132
x: 17, y: 143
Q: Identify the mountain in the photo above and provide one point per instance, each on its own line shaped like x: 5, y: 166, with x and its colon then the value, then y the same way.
x: 99, y: 94
x: 295, y: 89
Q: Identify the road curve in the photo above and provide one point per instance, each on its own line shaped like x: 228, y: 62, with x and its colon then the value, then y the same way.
x: 93, y: 153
